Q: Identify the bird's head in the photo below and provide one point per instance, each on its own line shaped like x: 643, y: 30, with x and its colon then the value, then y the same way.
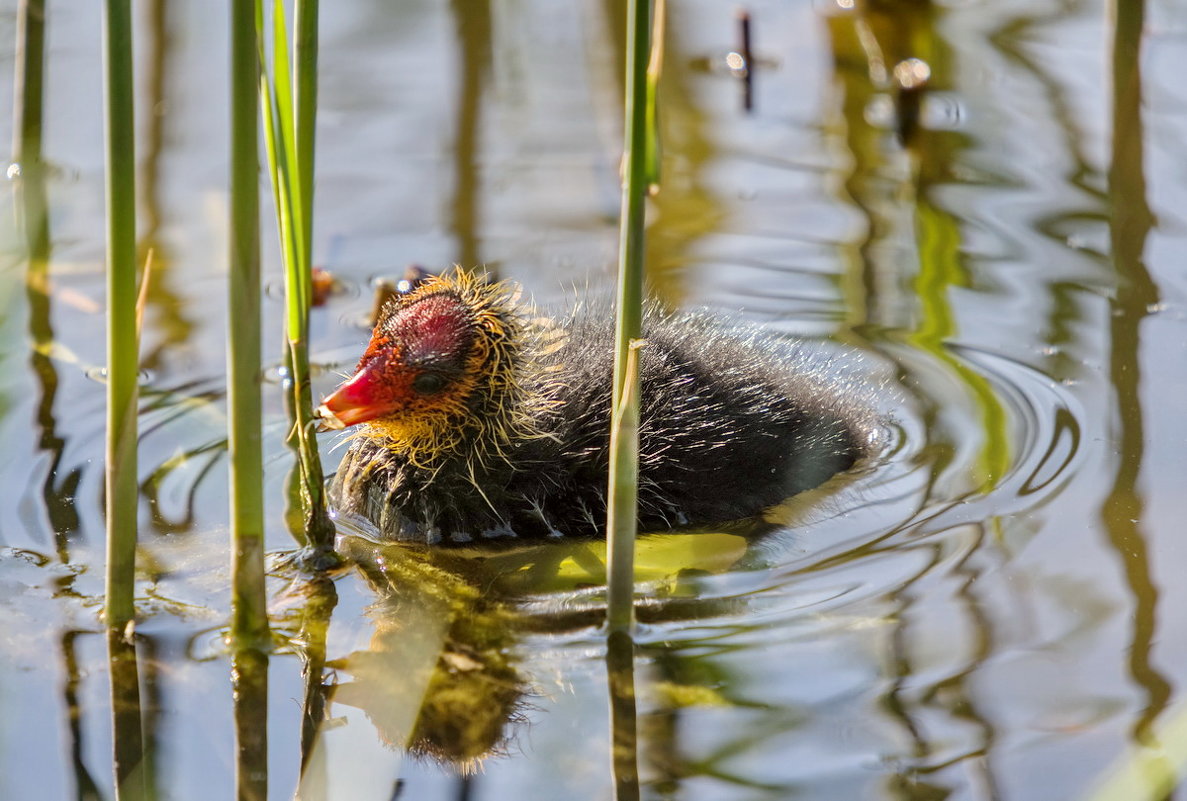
x: 441, y: 360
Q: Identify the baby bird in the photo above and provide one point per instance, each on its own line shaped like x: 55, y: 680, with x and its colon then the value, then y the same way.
x: 480, y: 419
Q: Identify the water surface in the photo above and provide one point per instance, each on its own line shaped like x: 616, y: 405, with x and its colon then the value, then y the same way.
x: 992, y: 611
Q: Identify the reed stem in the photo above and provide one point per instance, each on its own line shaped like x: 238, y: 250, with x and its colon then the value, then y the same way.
x: 622, y: 519
x: 622, y: 522
x: 122, y: 336
x: 289, y: 142
x: 319, y: 529
x: 249, y: 619
x: 305, y: 46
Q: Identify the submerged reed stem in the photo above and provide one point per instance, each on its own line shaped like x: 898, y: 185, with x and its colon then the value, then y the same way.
x: 122, y: 335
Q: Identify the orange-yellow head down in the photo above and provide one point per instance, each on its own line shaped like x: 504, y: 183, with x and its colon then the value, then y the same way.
x: 443, y: 364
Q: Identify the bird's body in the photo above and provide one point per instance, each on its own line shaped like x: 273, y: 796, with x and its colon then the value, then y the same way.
x: 510, y: 436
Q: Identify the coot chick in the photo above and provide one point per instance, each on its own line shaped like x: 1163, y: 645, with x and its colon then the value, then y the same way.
x: 481, y: 419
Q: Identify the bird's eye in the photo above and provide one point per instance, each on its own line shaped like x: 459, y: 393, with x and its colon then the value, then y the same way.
x: 428, y: 383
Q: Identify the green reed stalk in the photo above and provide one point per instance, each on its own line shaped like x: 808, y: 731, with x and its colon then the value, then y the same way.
x: 249, y: 618
x: 122, y: 339
x: 305, y: 77
x: 290, y: 160
x: 319, y: 528
x: 622, y: 519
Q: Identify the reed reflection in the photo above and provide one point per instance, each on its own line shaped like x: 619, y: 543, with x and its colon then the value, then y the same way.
x: 870, y: 50
x: 677, y: 218
x: 691, y: 681
x: 59, y: 487
x: 473, y: 23
x: 942, y: 267
x: 314, y: 616
x: 950, y: 693
x: 909, y: 704
x: 1130, y: 222
x: 170, y: 319
x: 867, y: 44
x: 624, y: 737
x: 28, y: 117
x: 85, y: 787
x: 1063, y: 335
x: 305, y: 627
x: 249, y: 675
x: 130, y: 753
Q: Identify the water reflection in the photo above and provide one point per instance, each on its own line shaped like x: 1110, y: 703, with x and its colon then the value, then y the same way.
x: 1130, y: 221
x: 443, y: 676
x: 249, y: 676
x: 624, y: 737
x: 861, y: 53
x: 882, y: 184
x: 170, y: 319
x: 85, y: 786
x: 473, y: 49
x: 310, y: 641
x: 439, y: 676
x: 954, y: 694
x: 684, y: 207
x: 59, y: 487
x: 131, y: 755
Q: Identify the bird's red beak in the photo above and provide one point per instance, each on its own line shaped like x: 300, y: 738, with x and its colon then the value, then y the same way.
x: 432, y: 328
x: 360, y: 399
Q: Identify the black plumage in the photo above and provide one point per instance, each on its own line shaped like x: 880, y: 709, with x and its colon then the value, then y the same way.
x: 732, y: 421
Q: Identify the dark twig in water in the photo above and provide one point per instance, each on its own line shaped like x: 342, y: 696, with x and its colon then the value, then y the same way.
x: 911, y: 78
x: 745, y: 71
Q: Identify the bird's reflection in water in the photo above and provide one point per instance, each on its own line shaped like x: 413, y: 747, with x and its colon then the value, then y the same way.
x: 436, y: 641
x: 445, y: 676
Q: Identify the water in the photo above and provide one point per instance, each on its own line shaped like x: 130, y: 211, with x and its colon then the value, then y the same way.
x: 991, y: 612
